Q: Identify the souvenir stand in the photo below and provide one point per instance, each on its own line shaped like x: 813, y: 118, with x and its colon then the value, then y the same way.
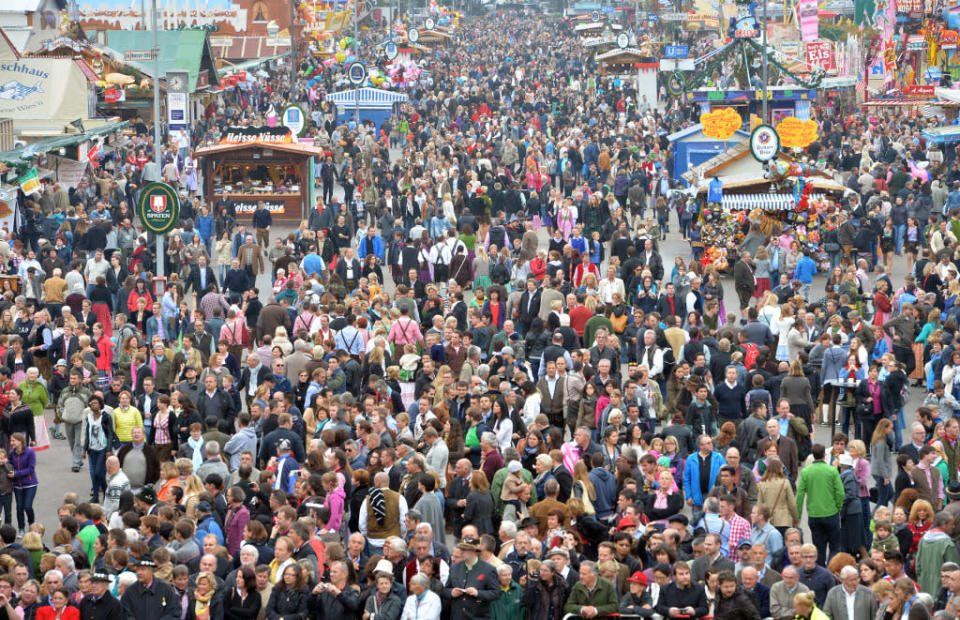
x: 254, y: 164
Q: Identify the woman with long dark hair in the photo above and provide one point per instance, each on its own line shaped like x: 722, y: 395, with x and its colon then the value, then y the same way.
x: 242, y: 601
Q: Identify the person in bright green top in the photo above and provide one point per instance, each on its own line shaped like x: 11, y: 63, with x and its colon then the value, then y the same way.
x: 88, y: 514
x: 593, y: 592
x: 35, y: 394
x: 36, y: 397
x: 824, y: 505
x: 508, y: 606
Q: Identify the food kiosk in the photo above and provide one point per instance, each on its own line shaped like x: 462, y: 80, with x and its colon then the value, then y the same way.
x: 254, y: 164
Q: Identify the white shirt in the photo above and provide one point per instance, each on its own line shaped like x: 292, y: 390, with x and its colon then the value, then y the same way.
x: 362, y: 519
x: 426, y: 608
x: 850, y: 600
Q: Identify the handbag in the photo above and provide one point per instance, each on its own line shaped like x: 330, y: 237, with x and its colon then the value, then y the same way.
x: 831, y: 247
x: 619, y: 322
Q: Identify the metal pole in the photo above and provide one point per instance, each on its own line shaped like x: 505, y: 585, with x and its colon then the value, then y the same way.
x: 157, y: 143
x: 765, y: 77
x: 356, y: 50
x: 293, y: 50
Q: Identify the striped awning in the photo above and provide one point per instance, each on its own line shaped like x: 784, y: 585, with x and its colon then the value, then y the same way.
x: 767, y: 202
x: 370, y: 98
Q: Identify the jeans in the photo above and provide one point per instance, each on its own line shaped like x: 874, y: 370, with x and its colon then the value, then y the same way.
x: 898, y: 427
x: 6, y: 504
x: 824, y: 531
x: 898, y: 232
x: 25, y: 505
x: 805, y: 289
x: 884, y: 491
x: 74, y: 434
x: 223, y: 272
x: 98, y: 471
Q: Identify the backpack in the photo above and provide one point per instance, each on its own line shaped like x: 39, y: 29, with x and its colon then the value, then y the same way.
x: 73, y: 408
x: 498, y: 237
x: 499, y: 274
x: 750, y: 353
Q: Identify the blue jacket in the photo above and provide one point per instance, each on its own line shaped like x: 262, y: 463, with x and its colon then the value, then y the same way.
x: 806, y: 268
x: 377, y: 247
x: 606, y: 487
x: 834, y: 360
x: 205, y: 226
x: 206, y: 526
x: 691, y: 475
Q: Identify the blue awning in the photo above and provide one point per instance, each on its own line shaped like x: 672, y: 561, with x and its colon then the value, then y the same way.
x: 943, y: 135
x: 370, y: 98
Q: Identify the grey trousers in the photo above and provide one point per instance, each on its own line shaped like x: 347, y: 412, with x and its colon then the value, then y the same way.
x: 74, y: 434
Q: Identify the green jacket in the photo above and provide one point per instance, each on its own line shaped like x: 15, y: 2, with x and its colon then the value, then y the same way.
x: 35, y: 396
x: 87, y: 536
x: 818, y: 475
x: 497, y: 485
x: 603, y: 597
x: 508, y: 606
x: 934, y: 550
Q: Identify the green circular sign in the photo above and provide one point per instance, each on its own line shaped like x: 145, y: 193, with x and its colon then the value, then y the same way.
x: 159, y: 207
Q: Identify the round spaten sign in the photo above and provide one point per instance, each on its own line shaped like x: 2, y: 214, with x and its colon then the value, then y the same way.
x: 159, y: 207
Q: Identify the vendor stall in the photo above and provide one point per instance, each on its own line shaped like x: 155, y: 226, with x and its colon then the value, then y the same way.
x: 261, y: 164
x: 375, y: 104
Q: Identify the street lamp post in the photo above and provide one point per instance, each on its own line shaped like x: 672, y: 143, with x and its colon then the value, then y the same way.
x: 156, y: 123
x: 765, y: 76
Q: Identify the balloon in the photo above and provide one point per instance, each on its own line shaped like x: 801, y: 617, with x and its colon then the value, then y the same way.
x: 329, y: 61
x: 343, y: 44
x: 340, y: 56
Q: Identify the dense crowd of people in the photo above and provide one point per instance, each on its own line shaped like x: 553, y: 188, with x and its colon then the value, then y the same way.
x: 474, y: 338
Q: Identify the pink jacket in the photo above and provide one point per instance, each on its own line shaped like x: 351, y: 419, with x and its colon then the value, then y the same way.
x: 335, y: 502
x: 235, y: 529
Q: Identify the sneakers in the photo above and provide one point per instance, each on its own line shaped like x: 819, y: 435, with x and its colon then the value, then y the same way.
x: 56, y: 434
x: 75, y: 468
x: 19, y: 533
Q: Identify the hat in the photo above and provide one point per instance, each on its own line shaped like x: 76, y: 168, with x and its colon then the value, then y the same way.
x: 953, y: 491
x: 638, y: 577
x: 626, y: 522
x: 514, y: 466
x: 204, y: 506
x: 529, y: 522
x: 558, y: 551
x: 468, y: 544
x: 744, y: 543
x: 845, y: 460
x: 61, y: 362
x: 384, y: 566
x: 148, y: 495
x: 507, y: 351
x: 100, y: 577
x: 679, y: 518
x: 283, y: 444
x: 147, y: 561
x: 693, y: 381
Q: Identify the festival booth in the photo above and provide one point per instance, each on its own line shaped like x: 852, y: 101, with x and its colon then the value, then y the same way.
x: 782, y: 101
x: 129, y: 94
x: 375, y: 104
x: 782, y: 197
x: 253, y: 164
x: 691, y: 147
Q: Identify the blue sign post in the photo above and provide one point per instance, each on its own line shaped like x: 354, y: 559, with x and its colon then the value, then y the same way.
x: 676, y: 51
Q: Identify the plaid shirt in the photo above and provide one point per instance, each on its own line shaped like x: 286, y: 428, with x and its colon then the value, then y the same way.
x: 739, y: 530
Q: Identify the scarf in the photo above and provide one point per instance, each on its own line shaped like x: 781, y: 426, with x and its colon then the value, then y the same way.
x: 197, y: 445
x: 202, y: 607
x: 379, y: 504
